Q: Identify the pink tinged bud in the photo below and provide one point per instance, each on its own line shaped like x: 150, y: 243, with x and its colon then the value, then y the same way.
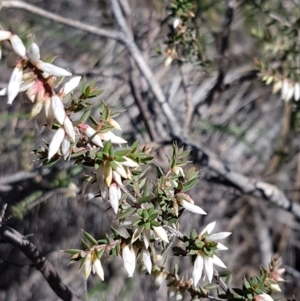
x: 263, y: 297
x: 58, y: 109
x: 88, y: 265
x: 65, y: 147
x: 97, y: 269
x: 161, y: 233
x: 34, y: 53
x: 36, y: 109
x: 5, y: 35
x: 129, y: 259
x: 114, y: 197
x: 191, y: 207
x: 71, y: 85
x: 112, y: 137
x: 69, y: 128
x: 32, y: 92
x: 14, y: 84
x: 18, y: 45
x: 147, y: 260
x: 90, y: 132
x: 56, y: 142
x: 129, y: 163
x: 52, y: 69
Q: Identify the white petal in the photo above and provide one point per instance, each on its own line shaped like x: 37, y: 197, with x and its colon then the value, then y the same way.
x: 120, y: 170
x: 284, y: 89
x: 198, y: 269
x: 209, y: 228
x: 218, y: 236
x: 34, y: 52
x: 56, y: 142
x: 289, y: 93
x: 117, y: 178
x: 36, y: 109
x: 113, y: 197
x: 69, y: 128
x: 52, y: 69
x: 209, y: 268
x: 5, y: 35
x: 161, y: 232
x: 221, y: 246
x: 90, y: 132
x: 71, y: 85
x: 146, y: 238
x: 191, y: 207
x: 87, y: 266
x: 112, y: 137
x: 3, y: 92
x: 98, y: 269
x: 14, y: 84
x: 65, y: 147
x: 129, y: 259
x: 176, y: 22
x: 25, y: 86
x: 136, y: 234
x: 48, y: 112
x: 297, y: 91
x: 58, y: 109
x: 18, y: 45
x: 129, y: 162
x: 217, y: 261
x: 147, y: 261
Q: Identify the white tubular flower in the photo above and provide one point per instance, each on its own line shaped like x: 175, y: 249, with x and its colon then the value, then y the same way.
x: 70, y: 85
x: 18, y: 46
x: 56, y: 142
x: 117, y: 178
x: 285, y: 88
x: 147, y: 260
x: 58, y: 109
x: 263, y: 297
x: 176, y: 22
x: 120, y: 170
x: 5, y: 35
x: 161, y: 233
x: 112, y: 137
x: 191, y: 207
x: 90, y: 132
x: 69, y: 128
x: 52, y: 69
x: 204, y: 264
x: 129, y: 259
x: 14, y: 84
x: 87, y: 265
x: 65, y: 147
x: 34, y: 53
x: 48, y: 110
x: 97, y: 269
x: 114, y: 195
x: 129, y: 163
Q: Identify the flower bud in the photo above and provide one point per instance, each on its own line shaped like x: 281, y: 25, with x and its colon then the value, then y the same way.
x: 5, y: 35
x: 71, y: 85
x: 56, y: 142
x: 58, y: 109
x: 18, y: 45
x: 34, y: 53
x: 129, y: 259
x: 69, y: 128
x: 52, y: 69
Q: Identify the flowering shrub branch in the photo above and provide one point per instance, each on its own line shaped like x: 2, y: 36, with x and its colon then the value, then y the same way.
x: 147, y: 215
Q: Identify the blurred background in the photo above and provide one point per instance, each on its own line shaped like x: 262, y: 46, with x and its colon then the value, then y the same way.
x: 213, y: 74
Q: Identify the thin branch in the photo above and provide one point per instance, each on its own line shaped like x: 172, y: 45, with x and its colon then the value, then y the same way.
x: 57, y: 18
x: 19, y: 241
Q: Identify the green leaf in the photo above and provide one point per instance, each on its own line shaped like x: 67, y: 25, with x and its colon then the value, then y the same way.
x: 126, y: 213
x: 73, y: 251
x: 90, y: 238
x: 85, y: 115
x: 145, y: 199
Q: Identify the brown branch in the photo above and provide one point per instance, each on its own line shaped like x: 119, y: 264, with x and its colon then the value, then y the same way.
x: 57, y: 18
x: 19, y: 241
x: 188, y: 100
